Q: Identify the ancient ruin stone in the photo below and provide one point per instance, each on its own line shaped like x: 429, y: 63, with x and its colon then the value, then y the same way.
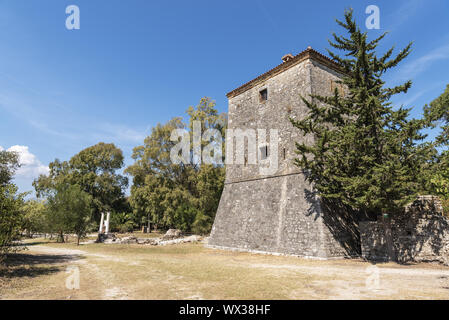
x: 172, y: 234
x: 420, y: 234
x: 128, y: 240
x: 279, y: 212
x: 106, y: 238
x: 189, y: 239
x: 150, y: 241
x: 425, y: 204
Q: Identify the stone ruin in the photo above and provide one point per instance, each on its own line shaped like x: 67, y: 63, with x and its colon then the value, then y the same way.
x: 279, y: 212
x: 419, y: 234
x: 172, y: 236
x: 103, y: 230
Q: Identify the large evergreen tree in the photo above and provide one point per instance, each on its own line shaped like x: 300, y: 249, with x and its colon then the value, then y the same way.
x: 437, y: 115
x: 365, y: 153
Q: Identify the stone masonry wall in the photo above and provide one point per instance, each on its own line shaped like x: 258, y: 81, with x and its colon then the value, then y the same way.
x: 279, y: 213
x: 273, y: 215
x: 420, y: 234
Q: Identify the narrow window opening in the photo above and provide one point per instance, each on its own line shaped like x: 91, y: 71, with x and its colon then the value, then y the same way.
x: 332, y: 86
x: 338, y: 86
x: 264, y: 152
x: 263, y: 95
x: 284, y: 155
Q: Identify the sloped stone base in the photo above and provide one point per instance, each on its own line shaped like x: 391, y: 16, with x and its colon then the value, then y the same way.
x: 280, y: 215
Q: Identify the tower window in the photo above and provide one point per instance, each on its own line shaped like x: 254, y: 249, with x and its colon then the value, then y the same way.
x: 263, y: 95
x: 338, y: 86
x: 263, y: 152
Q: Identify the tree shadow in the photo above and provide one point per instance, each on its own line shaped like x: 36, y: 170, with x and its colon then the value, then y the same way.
x: 420, y: 236
x: 417, y: 234
x: 29, y: 244
x: 19, y: 265
x: 340, y: 220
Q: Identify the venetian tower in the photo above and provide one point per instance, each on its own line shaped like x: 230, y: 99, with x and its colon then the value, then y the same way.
x: 279, y: 212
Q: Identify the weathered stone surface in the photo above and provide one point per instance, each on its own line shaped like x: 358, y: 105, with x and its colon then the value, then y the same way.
x: 106, y: 238
x: 172, y: 234
x: 128, y: 240
x: 420, y: 234
x: 279, y: 213
x: 189, y: 239
x: 151, y: 241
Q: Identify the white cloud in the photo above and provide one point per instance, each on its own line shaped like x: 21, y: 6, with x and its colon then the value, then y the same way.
x: 1, y: 148
x: 118, y: 133
x: 31, y: 167
x: 407, y: 102
x: 421, y: 64
x: 407, y: 10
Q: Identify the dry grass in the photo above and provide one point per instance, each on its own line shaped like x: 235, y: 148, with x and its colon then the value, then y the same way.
x: 190, y: 271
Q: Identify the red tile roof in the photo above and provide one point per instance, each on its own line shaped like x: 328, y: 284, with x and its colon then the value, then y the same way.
x: 309, y: 53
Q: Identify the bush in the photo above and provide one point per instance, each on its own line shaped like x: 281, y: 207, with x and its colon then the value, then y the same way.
x: 126, y: 227
x: 10, y: 218
x: 445, y: 204
x: 121, y: 222
x: 202, y: 224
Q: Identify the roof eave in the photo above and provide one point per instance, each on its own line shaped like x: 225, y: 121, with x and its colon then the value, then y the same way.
x: 309, y: 53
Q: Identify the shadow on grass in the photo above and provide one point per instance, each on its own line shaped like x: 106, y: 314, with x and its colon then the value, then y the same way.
x: 28, y: 265
x: 29, y: 244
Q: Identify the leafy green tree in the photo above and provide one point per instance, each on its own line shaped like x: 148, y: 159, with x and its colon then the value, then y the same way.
x: 70, y: 210
x: 153, y: 173
x: 365, y: 152
x: 10, y: 204
x: 93, y: 169
x: 172, y: 195
x: 10, y: 218
x: 34, y: 219
x: 9, y: 163
x: 122, y: 222
x: 437, y: 113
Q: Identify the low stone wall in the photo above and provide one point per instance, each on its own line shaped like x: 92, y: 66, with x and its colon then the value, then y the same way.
x: 420, y: 234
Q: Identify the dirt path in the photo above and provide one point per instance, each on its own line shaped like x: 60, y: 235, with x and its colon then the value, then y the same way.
x: 193, y: 272
x: 108, y: 290
x: 367, y: 281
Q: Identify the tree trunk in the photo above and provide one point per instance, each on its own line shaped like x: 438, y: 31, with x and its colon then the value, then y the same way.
x: 61, y: 237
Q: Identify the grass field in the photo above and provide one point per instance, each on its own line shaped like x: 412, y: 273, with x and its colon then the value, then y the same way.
x: 191, y: 271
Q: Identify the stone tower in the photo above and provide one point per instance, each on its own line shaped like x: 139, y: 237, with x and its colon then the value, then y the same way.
x: 279, y: 213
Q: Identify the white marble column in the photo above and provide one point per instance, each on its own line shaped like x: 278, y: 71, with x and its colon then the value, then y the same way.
x: 100, y: 230
x: 107, y: 222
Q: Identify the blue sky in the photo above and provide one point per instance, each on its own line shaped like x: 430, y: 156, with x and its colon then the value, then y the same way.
x: 135, y: 63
